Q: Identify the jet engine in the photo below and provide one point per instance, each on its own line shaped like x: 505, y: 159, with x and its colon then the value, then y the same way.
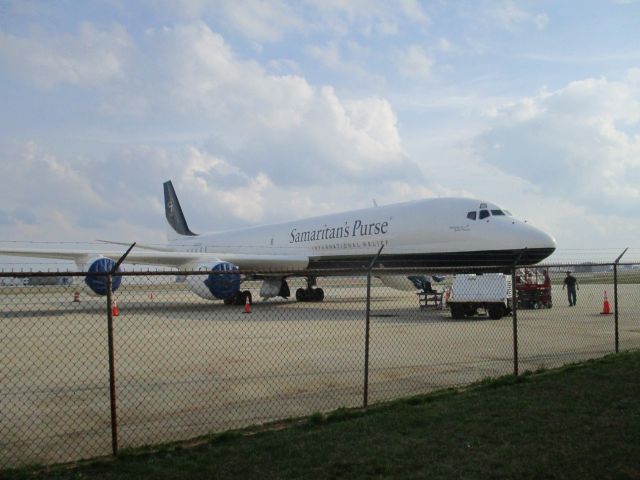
x: 223, y: 283
x: 98, y: 283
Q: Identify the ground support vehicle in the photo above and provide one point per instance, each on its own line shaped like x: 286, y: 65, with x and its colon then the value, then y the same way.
x: 471, y: 293
x: 430, y: 299
x: 533, y: 289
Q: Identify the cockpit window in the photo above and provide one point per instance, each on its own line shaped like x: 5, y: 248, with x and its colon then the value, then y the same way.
x: 508, y: 213
x: 497, y: 212
x: 471, y: 215
x: 484, y: 214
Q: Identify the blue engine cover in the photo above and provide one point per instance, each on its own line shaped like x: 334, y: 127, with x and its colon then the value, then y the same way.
x: 223, y: 285
x: 98, y: 284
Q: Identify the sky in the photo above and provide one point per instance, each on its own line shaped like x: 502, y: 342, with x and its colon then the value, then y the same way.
x: 269, y: 111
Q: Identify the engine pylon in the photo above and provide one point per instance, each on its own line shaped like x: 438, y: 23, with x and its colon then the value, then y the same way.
x: 606, y: 308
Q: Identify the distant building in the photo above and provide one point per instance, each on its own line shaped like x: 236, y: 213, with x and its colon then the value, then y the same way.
x: 589, y: 268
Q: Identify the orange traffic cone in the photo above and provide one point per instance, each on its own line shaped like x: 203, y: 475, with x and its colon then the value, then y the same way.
x: 76, y: 296
x: 606, y: 308
x: 114, y: 308
x: 247, y: 305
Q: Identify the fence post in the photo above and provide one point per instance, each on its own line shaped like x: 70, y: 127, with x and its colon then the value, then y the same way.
x: 365, y: 399
x: 112, y: 361
x: 615, y: 305
x: 112, y: 369
x: 615, y: 298
x: 514, y: 312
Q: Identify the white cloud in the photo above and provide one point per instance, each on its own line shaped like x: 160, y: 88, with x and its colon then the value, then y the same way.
x: 444, y: 45
x: 415, y: 62
x: 258, y: 20
x: 263, y: 21
x: 580, y: 143
x: 332, y: 56
x: 633, y: 76
x: 119, y: 197
x: 88, y: 58
x: 48, y: 197
x: 260, y: 121
x: 511, y: 17
x: 29, y: 165
x: 367, y: 17
x: 272, y: 21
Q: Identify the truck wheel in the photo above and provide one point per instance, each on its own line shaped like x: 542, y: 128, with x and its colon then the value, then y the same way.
x: 496, y: 312
x: 457, y: 312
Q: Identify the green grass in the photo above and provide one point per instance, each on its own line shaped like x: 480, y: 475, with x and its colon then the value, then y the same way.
x: 582, y: 421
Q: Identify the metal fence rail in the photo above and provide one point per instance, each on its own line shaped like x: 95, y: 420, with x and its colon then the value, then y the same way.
x: 84, y: 376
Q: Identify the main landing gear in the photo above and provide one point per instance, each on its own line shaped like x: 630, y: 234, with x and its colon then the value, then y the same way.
x: 240, y: 298
x: 310, y: 294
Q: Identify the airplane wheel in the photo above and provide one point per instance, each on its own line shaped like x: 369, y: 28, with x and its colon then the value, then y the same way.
x: 470, y: 311
x: 496, y: 312
x: 300, y: 295
x: 318, y: 294
x: 457, y: 313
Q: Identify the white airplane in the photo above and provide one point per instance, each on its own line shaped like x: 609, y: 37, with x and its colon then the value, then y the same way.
x: 433, y: 233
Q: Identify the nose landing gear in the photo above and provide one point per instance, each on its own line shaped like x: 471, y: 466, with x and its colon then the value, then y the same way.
x: 310, y: 294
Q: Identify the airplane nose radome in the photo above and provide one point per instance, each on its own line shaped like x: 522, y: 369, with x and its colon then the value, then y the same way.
x: 536, y: 238
x: 546, y: 240
x: 540, y: 245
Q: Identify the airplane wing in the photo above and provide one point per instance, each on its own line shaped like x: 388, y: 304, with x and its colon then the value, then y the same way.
x: 180, y: 260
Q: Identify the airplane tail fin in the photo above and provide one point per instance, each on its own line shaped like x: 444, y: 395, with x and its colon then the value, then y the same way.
x: 177, y: 225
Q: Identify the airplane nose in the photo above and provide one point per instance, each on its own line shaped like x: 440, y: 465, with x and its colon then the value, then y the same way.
x: 541, y: 239
x: 539, y: 245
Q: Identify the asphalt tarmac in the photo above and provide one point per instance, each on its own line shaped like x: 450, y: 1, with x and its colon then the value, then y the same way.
x: 185, y: 366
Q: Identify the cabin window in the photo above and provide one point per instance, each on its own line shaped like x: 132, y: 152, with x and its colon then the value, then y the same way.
x: 471, y: 215
x: 484, y: 214
x: 497, y: 212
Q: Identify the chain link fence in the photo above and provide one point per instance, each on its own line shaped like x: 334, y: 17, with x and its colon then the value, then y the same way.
x: 152, y: 362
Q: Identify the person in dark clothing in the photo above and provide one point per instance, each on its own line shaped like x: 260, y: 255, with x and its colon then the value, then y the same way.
x: 572, y: 284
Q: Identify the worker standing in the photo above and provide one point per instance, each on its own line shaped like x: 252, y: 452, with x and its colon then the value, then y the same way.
x: 572, y: 284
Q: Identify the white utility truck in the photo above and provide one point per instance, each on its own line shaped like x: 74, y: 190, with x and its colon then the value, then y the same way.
x: 488, y: 291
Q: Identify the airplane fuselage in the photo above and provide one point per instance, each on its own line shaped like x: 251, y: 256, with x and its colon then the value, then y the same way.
x: 425, y: 233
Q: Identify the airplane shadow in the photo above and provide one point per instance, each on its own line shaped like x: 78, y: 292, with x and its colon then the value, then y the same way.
x: 342, y: 309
